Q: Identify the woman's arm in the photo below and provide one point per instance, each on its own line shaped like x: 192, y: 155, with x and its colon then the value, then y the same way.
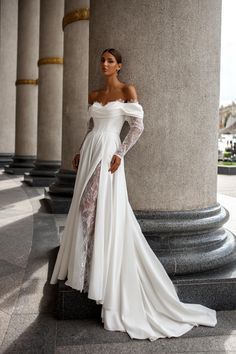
x: 135, y: 124
x: 136, y: 129
x: 75, y: 161
x: 90, y: 125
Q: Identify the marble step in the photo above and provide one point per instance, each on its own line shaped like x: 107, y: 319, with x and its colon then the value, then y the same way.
x: 215, y: 289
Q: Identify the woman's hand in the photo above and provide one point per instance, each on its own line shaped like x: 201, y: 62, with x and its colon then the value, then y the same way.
x: 75, y: 161
x: 115, y: 163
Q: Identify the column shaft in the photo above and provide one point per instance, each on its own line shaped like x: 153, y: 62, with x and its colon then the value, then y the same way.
x: 171, y: 52
x: 8, y: 44
x: 26, y: 87
x: 75, y: 99
x: 50, y: 94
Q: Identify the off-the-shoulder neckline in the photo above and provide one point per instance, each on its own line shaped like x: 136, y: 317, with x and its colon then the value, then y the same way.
x: 119, y: 100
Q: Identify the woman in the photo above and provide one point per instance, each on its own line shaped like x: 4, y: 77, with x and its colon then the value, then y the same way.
x: 103, y: 250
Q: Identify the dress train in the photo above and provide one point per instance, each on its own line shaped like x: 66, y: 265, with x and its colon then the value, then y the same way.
x: 103, y: 250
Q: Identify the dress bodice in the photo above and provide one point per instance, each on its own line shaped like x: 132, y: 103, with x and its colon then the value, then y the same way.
x: 111, y: 116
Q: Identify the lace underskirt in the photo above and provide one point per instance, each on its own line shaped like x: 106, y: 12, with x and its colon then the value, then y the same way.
x: 88, y: 214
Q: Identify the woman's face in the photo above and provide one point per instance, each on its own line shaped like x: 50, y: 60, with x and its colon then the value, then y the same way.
x: 109, y: 65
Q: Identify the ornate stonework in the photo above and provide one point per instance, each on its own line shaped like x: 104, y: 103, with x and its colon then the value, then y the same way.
x: 52, y: 60
x: 26, y: 82
x: 75, y: 15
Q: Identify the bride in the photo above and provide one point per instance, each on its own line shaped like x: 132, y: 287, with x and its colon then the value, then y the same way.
x: 103, y: 251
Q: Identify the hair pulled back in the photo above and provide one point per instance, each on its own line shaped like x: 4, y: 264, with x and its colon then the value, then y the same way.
x: 115, y: 53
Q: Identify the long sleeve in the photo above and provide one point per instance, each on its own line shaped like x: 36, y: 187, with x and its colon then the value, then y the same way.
x: 90, y: 125
x: 136, y: 129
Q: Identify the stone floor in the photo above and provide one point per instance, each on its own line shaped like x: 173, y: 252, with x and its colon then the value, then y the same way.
x: 28, y: 238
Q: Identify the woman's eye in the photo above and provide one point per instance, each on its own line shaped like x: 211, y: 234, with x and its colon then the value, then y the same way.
x: 109, y: 61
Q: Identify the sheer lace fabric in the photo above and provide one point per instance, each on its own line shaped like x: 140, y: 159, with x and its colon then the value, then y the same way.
x: 118, y: 100
x: 89, y: 197
x: 136, y: 129
x: 88, y: 213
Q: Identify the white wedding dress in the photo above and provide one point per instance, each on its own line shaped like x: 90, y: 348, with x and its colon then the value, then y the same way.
x: 103, y: 250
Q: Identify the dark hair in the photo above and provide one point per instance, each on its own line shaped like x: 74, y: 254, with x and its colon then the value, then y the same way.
x: 116, y: 54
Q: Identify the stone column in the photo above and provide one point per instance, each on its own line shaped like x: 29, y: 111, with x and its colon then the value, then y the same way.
x: 171, y: 52
x: 75, y: 100
x: 8, y: 44
x: 26, y: 87
x: 50, y: 94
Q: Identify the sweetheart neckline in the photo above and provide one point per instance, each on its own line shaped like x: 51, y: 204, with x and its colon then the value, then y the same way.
x: 119, y: 100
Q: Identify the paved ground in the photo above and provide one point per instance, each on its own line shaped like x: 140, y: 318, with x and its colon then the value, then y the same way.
x: 27, y: 325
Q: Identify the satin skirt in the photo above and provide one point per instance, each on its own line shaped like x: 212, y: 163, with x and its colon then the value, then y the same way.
x: 126, y: 277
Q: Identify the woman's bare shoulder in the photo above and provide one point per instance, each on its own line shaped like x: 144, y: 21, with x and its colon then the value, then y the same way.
x: 130, y: 92
x: 93, y: 95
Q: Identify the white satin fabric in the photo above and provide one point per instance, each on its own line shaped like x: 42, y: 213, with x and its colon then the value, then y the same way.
x: 126, y: 277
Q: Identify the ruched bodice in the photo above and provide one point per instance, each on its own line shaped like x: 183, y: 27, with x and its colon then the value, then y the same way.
x: 111, y: 117
x: 116, y: 108
x: 108, y: 124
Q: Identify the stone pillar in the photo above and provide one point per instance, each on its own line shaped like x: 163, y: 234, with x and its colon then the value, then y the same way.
x: 26, y: 87
x: 75, y: 100
x: 8, y: 43
x: 50, y: 94
x: 171, y: 52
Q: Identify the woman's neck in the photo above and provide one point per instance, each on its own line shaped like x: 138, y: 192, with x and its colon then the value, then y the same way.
x: 112, y: 83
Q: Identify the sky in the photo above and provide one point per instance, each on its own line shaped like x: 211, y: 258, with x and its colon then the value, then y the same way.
x: 228, y: 53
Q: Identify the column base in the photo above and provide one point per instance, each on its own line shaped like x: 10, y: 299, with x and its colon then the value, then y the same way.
x: 20, y: 165
x: 42, y: 174
x: 6, y: 159
x: 59, y: 194
x: 213, y: 289
x: 191, y: 241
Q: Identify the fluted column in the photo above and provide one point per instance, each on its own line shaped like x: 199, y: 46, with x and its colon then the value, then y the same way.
x: 75, y: 99
x: 26, y: 87
x: 50, y: 94
x: 172, y: 170
x: 8, y: 43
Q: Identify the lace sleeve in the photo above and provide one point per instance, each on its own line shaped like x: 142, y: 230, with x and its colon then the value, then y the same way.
x: 90, y: 125
x: 136, y: 129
